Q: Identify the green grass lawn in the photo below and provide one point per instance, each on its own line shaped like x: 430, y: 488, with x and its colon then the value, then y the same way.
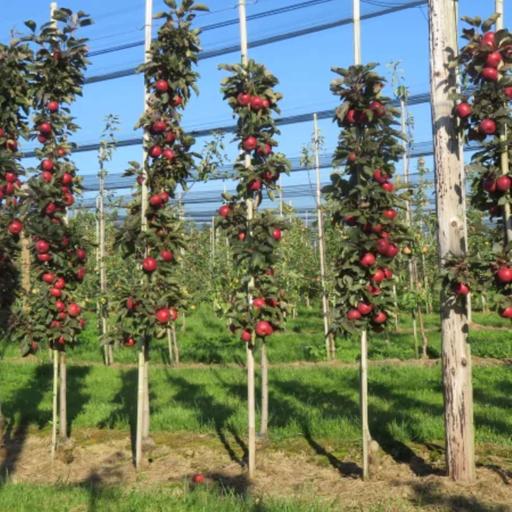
x: 206, y: 339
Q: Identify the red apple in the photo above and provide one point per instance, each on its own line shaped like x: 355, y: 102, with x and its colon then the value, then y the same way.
x: 489, y: 185
x: 163, y: 315
x: 67, y: 179
x: 52, y: 106
x: 382, y: 246
x: 263, y: 328
x: 55, y: 292
x: 159, y: 126
x: 461, y: 289
x: 378, y: 276
x: 380, y: 317
x: 149, y: 264
x: 244, y: 99
x: 170, y: 137
x: 388, y: 186
x: 377, y: 108
x: 490, y: 74
x: 508, y: 92
x: 81, y: 254
x: 198, y: 478
x: 246, y: 336
x: 10, y: 177
x: 44, y: 257
x: 164, y: 196
x: 60, y: 306
x: 162, y: 85
x: 155, y: 201
x: 353, y: 314
x: 130, y: 304
x: 350, y: 116
x: 47, y: 165
x: 15, y: 227
x: 166, y: 255
x: 389, y: 213
x: 255, y: 185
x: 506, y: 312
x: 488, y: 40
x: 129, y: 342
x: 494, y: 59
x: 177, y: 100
x: 174, y: 314
x: 46, y: 176
x: 250, y: 143
x: 379, y: 176
x: 392, y: 251
x: 42, y: 246
x: 487, y: 126
x: 277, y: 234
x: 259, y: 302
x: 48, y: 277
x: 463, y: 110
x: 388, y: 273
x: 224, y: 210
x: 373, y: 290
x: 256, y: 103
x: 168, y: 154
x: 80, y: 273
x: 60, y: 283
x: 241, y: 236
x: 504, y: 274
x: 45, y: 128
x: 364, y: 308
x: 155, y: 151
x: 503, y: 183
x: 74, y: 310
x: 367, y: 259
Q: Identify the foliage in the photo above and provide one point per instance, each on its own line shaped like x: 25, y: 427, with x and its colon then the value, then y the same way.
x: 49, y: 312
x: 254, y: 235
x: 365, y: 204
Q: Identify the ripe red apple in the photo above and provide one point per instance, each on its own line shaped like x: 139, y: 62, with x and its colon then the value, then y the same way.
x: 170, y: 137
x: 174, y: 314
x: 47, y: 165
x: 149, y: 264
x: 198, y: 478
x: 55, y: 292
x: 506, y: 312
x: 256, y: 103
x: 250, y: 143
x: 503, y: 183
x: 367, y: 259
x: 490, y: 74
x: 155, y: 201
x: 45, y: 128
x: 48, y: 277
x: 353, y: 314
x: 388, y: 186
x: 46, y: 176
x: 264, y: 149
x: 244, y: 99
x: 390, y: 214
x: 508, y: 92
x: 60, y: 306
x: 364, y: 308
x: 11, y: 145
x: 489, y: 185
x: 266, y: 103
x: 241, y: 236
x: 163, y: 315
x: 224, y: 210
x: 488, y: 40
x: 162, y: 85
x: 461, y: 289
x: 351, y: 157
x: 81, y: 254
x: 388, y: 273
x: 130, y: 304
x: 51, y: 208
x: 350, y: 116
x: 44, y: 257
x: 10, y: 177
x: 504, y: 274
x: 60, y: 283
x: 42, y: 139
x: 255, y: 185
x: 2, y: 133
x: 155, y: 151
x: 129, y: 342
x: 259, y: 302
x: 42, y: 246
x: 487, y: 126
x: 52, y: 106
x: 168, y: 154
x: 373, y: 290
x: 494, y: 59
x: 380, y: 317
x: 263, y: 328
x: 392, y: 251
x: 177, y: 100
x: 159, y: 126
x: 164, y: 196
x: 67, y: 179
x: 246, y: 336
x: 15, y: 227
x: 166, y: 255
x: 379, y: 176
x: 277, y: 234
x: 382, y: 246
x: 377, y: 108
x: 378, y: 276
x: 463, y: 110
x: 61, y: 151
x: 74, y: 310
x: 377, y: 228
x: 68, y: 199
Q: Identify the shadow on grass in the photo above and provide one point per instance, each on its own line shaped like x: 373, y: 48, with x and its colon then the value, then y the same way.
x: 208, y: 409
x: 125, y: 406
x: 435, y: 495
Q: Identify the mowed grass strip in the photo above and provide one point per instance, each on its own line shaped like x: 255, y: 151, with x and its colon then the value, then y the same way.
x: 405, y: 402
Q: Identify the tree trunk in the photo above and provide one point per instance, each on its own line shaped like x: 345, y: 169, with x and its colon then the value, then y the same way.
x: 170, y: 347
x: 147, y: 411
x: 55, y: 401
x: 456, y: 358
x: 140, y: 409
x: 395, y: 300
x: 424, y: 338
x: 63, y: 403
x: 175, y: 345
x: 264, y: 390
x: 415, y: 334
x: 365, y: 429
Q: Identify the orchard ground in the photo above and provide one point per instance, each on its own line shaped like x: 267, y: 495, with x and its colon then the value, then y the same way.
x: 310, y: 461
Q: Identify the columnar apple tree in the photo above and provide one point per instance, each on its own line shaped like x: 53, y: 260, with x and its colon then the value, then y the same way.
x: 58, y: 257
x: 257, y: 308
x: 366, y: 205
x: 15, y: 102
x: 486, y: 117
x: 153, y: 305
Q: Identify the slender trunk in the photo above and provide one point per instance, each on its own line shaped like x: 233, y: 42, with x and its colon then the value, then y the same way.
x: 170, y: 347
x: 264, y: 390
x: 55, y: 401
x: 183, y: 322
x: 63, y: 403
x: 415, y: 334
x: 175, y: 345
x: 147, y: 410
x: 395, y: 301
x: 140, y: 409
x: 251, y: 412
x: 424, y: 338
x: 363, y: 378
x: 449, y: 183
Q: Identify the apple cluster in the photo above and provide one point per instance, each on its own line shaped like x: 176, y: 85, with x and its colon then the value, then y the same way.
x: 58, y: 257
x: 254, y: 239
x: 170, y: 79
x: 365, y: 201
x: 484, y: 114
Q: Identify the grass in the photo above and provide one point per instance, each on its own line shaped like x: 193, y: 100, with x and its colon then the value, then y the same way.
x: 405, y: 402
x: 206, y: 339
x: 26, y: 498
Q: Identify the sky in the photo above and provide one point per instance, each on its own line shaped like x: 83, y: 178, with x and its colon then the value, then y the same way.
x: 302, y: 64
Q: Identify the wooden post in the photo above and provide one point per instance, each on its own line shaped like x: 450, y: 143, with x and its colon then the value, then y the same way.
x: 55, y: 401
x: 363, y: 363
x: 330, y: 347
x: 264, y: 390
x: 504, y: 160
x: 142, y: 388
x: 456, y: 358
x: 251, y: 394
x: 63, y: 423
